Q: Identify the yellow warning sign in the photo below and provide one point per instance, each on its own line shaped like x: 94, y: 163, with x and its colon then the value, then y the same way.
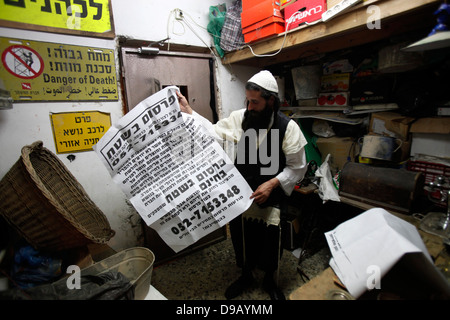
x: 81, y: 15
x: 78, y: 131
x: 43, y: 71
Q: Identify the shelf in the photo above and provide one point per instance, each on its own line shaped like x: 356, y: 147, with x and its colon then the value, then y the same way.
x: 343, y: 31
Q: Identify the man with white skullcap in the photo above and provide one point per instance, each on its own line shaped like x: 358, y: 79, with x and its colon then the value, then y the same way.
x: 257, y: 233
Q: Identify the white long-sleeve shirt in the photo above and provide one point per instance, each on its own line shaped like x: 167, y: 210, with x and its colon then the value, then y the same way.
x: 229, y: 131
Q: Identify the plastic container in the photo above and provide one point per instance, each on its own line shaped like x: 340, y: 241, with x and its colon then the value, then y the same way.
x: 430, y: 170
x: 135, y: 263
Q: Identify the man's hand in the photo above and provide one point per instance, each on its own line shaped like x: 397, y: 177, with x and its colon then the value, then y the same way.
x: 184, y: 104
x: 262, y: 193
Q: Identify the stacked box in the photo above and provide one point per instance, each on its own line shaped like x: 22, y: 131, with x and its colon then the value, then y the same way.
x: 335, y: 84
x: 395, y: 125
x: 261, y: 19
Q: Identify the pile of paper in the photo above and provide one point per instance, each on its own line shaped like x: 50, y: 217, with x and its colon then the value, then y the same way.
x: 366, y: 247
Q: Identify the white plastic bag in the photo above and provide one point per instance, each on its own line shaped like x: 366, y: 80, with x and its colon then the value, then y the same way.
x: 322, y: 128
x: 327, y: 190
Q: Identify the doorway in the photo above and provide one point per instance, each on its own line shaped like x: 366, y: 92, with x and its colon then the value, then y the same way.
x: 192, y: 72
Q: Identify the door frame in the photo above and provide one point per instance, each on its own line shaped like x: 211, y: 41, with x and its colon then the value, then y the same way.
x: 125, y: 49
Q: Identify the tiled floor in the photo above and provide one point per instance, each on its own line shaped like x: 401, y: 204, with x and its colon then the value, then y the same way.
x: 205, y: 274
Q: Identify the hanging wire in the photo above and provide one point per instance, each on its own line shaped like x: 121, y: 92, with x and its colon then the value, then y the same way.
x: 184, y: 22
x: 285, y: 36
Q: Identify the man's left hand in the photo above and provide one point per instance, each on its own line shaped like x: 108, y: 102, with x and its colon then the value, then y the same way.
x: 262, y: 193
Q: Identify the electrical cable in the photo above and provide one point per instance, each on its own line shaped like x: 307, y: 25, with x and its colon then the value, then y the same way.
x: 179, y: 13
x: 167, y: 30
x: 180, y: 17
x: 285, y: 36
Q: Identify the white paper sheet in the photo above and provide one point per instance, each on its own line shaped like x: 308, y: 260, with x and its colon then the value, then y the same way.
x: 175, y: 174
x: 373, y: 241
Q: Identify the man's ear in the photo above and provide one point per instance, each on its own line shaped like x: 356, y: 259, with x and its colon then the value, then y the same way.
x: 271, y: 101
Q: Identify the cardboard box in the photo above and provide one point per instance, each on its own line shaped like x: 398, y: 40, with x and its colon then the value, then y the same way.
x: 390, y: 124
x: 308, y: 12
x: 403, y: 153
x: 260, y: 12
x: 440, y: 125
x: 339, y: 149
x: 335, y: 82
x: 293, y: 230
x: 431, y: 136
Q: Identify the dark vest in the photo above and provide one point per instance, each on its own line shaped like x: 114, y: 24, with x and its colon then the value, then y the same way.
x: 252, y: 172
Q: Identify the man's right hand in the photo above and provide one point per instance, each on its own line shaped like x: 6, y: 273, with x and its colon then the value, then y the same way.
x: 262, y: 193
x: 184, y: 104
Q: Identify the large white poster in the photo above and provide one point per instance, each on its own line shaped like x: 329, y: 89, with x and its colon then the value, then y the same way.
x: 175, y: 174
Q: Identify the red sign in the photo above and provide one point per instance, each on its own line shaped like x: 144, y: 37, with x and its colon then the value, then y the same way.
x: 304, y: 11
x: 26, y: 86
x: 22, y: 62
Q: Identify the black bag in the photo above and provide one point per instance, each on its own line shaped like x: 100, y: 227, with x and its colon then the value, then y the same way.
x: 105, y: 286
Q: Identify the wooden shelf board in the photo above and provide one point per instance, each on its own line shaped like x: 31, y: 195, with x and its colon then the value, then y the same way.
x: 349, y: 29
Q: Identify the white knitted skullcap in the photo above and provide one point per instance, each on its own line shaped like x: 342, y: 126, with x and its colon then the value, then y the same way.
x: 266, y: 80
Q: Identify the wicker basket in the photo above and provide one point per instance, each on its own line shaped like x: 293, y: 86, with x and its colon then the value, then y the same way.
x: 44, y: 202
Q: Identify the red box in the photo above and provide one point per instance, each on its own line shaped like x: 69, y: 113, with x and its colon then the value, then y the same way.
x: 263, y: 29
x: 262, y: 23
x: 430, y: 170
x: 247, y: 4
x: 303, y: 11
x: 261, y: 11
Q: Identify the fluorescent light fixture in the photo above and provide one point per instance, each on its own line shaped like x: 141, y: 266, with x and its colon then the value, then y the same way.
x: 439, y: 40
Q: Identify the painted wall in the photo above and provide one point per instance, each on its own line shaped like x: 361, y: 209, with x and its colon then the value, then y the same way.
x: 136, y: 19
x: 151, y: 20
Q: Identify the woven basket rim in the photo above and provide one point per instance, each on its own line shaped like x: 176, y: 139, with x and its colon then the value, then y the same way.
x: 37, y: 146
